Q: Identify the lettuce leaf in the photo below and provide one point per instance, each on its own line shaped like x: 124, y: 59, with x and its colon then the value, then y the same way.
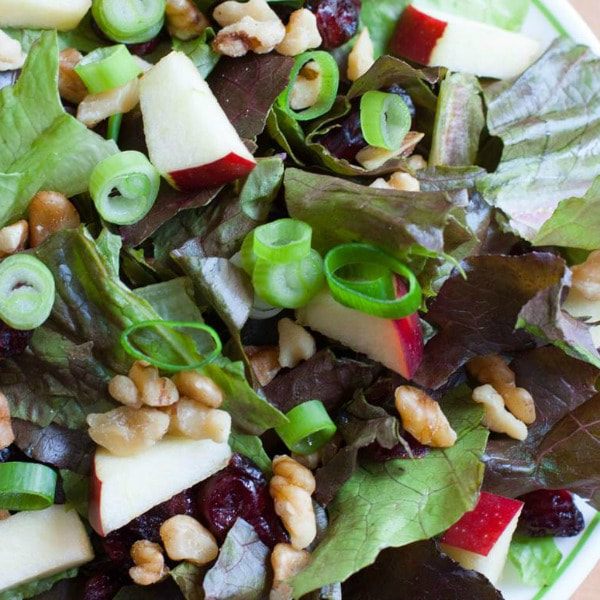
x: 200, y: 51
x: 536, y: 559
x: 380, y: 17
x: 33, y: 588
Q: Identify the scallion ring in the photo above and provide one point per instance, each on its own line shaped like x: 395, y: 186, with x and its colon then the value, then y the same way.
x: 26, y: 292
x: 373, y: 280
x: 247, y: 256
x: 107, y: 68
x: 330, y: 78
x: 309, y: 428
x: 124, y: 187
x: 385, y: 119
x: 135, y: 353
x: 114, y: 127
x: 283, y: 241
x: 26, y: 486
x: 129, y: 21
x: 346, y: 293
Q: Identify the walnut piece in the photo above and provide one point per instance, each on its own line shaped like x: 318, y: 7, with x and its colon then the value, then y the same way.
x: 198, y: 387
x: 372, y: 158
x: 195, y: 420
x: 11, y: 53
x: 185, y: 21
x: 264, y: 362
x: 416, y: 162
x: 286, y: 562
x: 13, y: 238
x: 231, y: 12
x: 4, y: 514
x: 50, y: 212
x: 94, y: 108
x: 291, y: 488
x: 423, y: 418
x: 362, y: 56
x: 295, y: 343
x: 7, y: 436
x: 306, y: 88
x: 154, y: 390
x: 185, y: 538
x: 494, y: 370
x: 70, y: 85
x: 496, y: 417
x: 123, y: 390
x: 125, y: 431
x: 301, y: 33
x: 149, y: 563
x: 586, y: 277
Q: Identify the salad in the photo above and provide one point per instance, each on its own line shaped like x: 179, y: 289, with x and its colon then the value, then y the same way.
x: 297, y: 299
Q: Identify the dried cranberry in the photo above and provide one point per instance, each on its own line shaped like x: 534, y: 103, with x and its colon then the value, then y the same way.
x: 337, y: 20
x: 345, y: 140
x: 378, y: 453
x: 240, y: 490
x: 12, y: 341
x: 103, y: 585
x: 550, y: 513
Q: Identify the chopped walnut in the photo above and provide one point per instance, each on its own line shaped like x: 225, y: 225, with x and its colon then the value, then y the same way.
x: 4, y: 514
x: 96, y: 107
x: 199, y: 388
x: 231, y: 12
x: 50, y: 212
x: 381, y: 184
x: 295, y: 343
x: 149, y: 563
x: 496, y: 417
x: 493, y: 369
x: 291, y: 487
x: 301, y: 33
x: 123, y: 390
x: 154, y: 390
x: 423, y: 418
x: 11, y: 53
x: 287, y: 562
x: 362, y: 56
x: 125, y: 431
x: 372, y: 158
x: 185, y: 21
x: 194, y: 420
x: 306, y: 88
x: 7, y: 437
x: 403, y: 182
x: 310, y: 461
x: 13, y: 238
x: 416, y: 162
x: 264, y: 363
x: 586, y: 277
x: 186, y: 539
x: 70, y: 85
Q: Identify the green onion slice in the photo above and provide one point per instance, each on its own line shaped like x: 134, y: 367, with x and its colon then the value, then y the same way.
x: 107, y: 68
x: 124, y: 187
x: 114, y: 127
x: 283, y: 241
x: 129, y: 21
x: 129, y: 348
x: 26, y: 292
x: 26, y: 486
x: 289, y: 285
x: 384, y: 119
x: 330, y: 78
x: 247, y: 256
x: 309, y: 428
x: 368, y: 298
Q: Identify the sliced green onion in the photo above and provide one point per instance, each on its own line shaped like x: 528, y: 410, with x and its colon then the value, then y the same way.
x: 330, y: 78
x: 114, y: 127
x: 283, y: 241
x: 107, y: 68
x: 309, y: 428
x: 128, y: 347
x: 124, y: 187
x: 368, y: 300
x: 26, y: 486
x: 247, y: 255
x: 289, y: 285
x: 129, y: 21
x: 373, y: 280
x: 26, y: 292
x: 384, y: 119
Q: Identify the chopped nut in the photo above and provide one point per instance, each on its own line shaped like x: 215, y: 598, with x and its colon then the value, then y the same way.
x: 423, y: 418
x: 248, y: 34
x: 416, y: 162
x: 150, y: 563
x: 7, y: 437
x: 13, y: 238
x: 310, y: 461
x: 306, y: 88
x: 196, y: 421
x: 184, y: 19
x: 493, y: 370
x: 50, y: 212
x: 125, y: 431
x: 286, y: 562
x: 362, y: 56
x: 186, y: 539
x: 496, y: 417
x: 70, y: 85
x: 11, y: 53
x: 154, y: 390
x: 199, y: 388
x: 404, y: 182
x: 586, y: 277
x: 264, y: 363
x: 301, y: 33
x: 381, y: 184
x: 231, y: 12
x: 372, y: 158
x: 291, y: 487
x: 123, y: 390
x: 295, y: 343
x: 96, y: 107
x: 4, y: 514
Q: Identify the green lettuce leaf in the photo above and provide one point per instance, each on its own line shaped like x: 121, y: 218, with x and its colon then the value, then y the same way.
x: 76, y: 488
x: 188, y: 578
x: 200, y: 51
x: 28, y: 590
x: 251, y: 447
x: 536, y: 559
x: 401, y: 501
x: 380, y: 17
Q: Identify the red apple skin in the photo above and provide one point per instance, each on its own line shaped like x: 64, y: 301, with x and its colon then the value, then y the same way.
x: 479, y: 529
x: 219, y: 172
x: 95, y: 496
x: 410, y: 335
x: 417, y: 35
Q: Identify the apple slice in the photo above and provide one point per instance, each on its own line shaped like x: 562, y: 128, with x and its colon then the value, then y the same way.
x: 579, y: 306
x: 125, y: 487
x: 40, y: 543
x: 437, y: 39
x: 481, y: 539
x: 397, y: 344
x: 43, y: 14
x: 190, y: 139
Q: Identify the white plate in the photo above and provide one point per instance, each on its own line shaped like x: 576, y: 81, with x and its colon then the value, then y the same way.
x: 546, y: 20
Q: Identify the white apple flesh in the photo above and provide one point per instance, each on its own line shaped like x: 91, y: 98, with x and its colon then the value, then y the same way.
x: 481, y: 539
x: 125, y: 487
x: 582, y: 308
x: 43, y: 14
x: 40, y: 543
x: 437, y: 39
x: 190, y: 139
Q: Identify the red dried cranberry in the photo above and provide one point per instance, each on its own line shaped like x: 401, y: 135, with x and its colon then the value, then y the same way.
x: 103, y: 585
x: 378, y: 453
x: 550, y: 513
x: 12, y: 341
x: 345, y: 140
x: 337, y: 20
x: 240, y: 490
